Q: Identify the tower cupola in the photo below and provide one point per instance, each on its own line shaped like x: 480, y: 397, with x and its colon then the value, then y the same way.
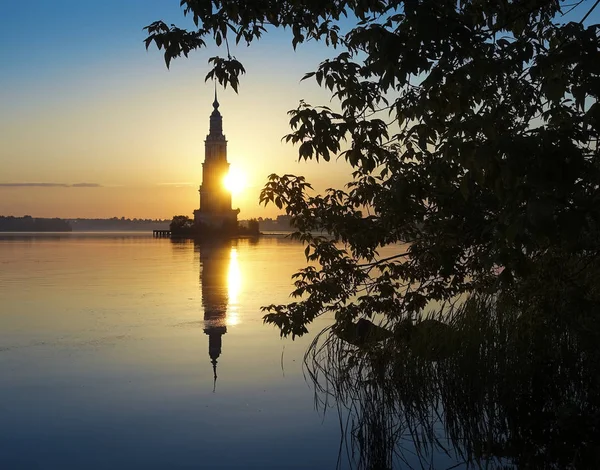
x: 216, y: 122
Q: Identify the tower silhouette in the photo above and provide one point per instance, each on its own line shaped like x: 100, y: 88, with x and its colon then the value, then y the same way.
x: 214, y: 262
x: 215, y: 210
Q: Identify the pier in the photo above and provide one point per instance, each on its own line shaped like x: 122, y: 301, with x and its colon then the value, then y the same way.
x: 161, y: 233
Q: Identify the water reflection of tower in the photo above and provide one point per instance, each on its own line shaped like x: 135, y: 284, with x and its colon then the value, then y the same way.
x: 215, y: 280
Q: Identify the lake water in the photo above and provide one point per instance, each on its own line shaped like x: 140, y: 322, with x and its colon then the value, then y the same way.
x: 107, y: 350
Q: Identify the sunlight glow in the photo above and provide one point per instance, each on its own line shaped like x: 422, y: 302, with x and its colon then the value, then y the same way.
x: 235, y: 181
x: 234, y: 286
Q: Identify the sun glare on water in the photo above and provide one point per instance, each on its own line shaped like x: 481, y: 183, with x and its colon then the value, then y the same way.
x: 235, y: 181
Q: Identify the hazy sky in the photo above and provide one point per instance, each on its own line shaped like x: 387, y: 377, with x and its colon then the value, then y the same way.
x: 81, y: 101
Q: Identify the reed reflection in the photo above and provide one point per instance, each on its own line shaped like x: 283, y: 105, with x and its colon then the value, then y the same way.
x: 220, y: 282
x: 512, y: 390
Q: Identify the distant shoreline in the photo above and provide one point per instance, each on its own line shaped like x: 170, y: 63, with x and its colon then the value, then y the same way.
x: 271, y: 233
x: 28, y: 224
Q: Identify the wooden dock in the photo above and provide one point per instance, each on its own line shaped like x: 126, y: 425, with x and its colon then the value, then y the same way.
x: 161, y: 233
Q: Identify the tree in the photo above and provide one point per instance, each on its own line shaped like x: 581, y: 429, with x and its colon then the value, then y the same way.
x: 253, y: 227
x: 472, y: 129
x: 181, y: 226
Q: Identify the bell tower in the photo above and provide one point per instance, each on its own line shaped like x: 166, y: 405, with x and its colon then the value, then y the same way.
x: 215, y: 210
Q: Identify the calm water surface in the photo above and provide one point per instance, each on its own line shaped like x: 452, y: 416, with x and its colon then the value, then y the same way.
x: 108, y: 347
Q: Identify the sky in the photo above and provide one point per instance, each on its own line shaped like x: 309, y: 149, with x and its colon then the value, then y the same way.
x: 93, y: 125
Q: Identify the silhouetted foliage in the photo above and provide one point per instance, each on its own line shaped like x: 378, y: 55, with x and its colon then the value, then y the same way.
x: 471, y: 128
x: 182, y: 226
x: 253, y: 228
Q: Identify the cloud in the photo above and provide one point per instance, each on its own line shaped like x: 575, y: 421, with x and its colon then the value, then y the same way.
x: 86, y: 185
x: 49, y: 185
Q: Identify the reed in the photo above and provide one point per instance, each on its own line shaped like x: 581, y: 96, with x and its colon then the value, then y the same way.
x: 513, y: 389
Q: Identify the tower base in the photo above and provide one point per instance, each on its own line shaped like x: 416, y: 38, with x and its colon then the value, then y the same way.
x: 211, y: 222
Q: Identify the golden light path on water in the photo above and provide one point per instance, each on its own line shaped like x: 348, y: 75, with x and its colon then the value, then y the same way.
x: 234, y: 287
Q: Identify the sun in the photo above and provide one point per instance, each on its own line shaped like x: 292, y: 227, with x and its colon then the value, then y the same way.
x: 235, y: 181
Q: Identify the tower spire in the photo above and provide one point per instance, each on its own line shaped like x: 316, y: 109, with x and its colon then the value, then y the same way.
x: 214, y: 364
x: 216, y: 121
x: 216, y: 101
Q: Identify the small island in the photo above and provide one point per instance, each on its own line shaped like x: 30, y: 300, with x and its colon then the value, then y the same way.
x: 183, y: 226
